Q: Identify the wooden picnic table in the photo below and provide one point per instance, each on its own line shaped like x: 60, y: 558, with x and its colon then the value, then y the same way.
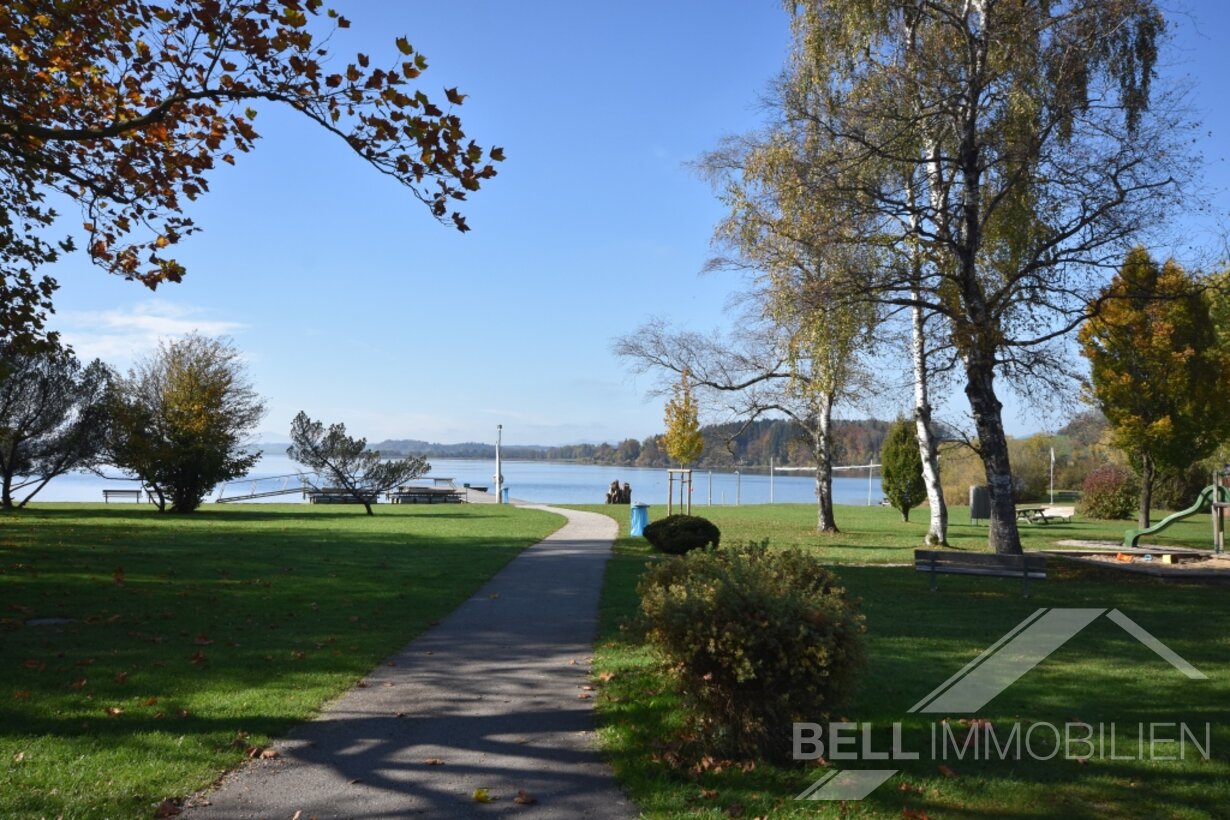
x: 1034, y: 515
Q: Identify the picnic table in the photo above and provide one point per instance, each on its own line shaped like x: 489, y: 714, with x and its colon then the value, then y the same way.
x: 1034, y: 515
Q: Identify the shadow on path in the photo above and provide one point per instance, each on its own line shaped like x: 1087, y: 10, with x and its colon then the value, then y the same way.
x: 493, y: 693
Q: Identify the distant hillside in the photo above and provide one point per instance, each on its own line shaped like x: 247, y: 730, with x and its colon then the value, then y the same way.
x: 468, y: 449
x: 726, y: 445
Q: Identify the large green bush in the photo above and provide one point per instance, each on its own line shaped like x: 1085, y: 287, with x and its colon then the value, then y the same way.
x: 1178, y: 489
x: 677, y: 534
x: 1109, y: 492
x: 758, y: 640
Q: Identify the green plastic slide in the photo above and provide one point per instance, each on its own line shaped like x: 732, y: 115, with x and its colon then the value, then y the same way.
x: 1203, y: 502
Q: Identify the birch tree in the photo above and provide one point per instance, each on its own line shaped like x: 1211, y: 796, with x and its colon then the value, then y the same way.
x: 1020, y: 145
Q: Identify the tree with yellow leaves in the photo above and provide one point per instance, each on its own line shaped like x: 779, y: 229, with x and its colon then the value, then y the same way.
x: 1156, y: 369
x: 683, y: 440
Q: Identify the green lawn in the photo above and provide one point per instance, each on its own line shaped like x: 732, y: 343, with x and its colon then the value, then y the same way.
x: 916, y: 640
x: 195, y: 637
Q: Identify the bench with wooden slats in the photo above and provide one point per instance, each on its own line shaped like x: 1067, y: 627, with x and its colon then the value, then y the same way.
x: 944, y: 562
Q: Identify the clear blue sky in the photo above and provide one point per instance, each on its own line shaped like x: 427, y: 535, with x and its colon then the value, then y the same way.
x: 354, y: 305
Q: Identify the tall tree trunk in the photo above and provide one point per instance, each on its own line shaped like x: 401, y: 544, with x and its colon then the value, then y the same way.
x: 8, y: 463
x: 1147, y: 474
x: 993, y: 448
x: 822, y: 451
x: 928, y: 449
x: 367, y: 505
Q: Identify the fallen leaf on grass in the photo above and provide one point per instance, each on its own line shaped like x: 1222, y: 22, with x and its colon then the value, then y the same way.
x: 114, y: 711
x: 708, y: 794
x: 167, y: 808
x: 18, y: 758
x: 481, y: 796
x: 121, y: 677
x: 78, y: 684
x: 201, y: 640
x: 37, y: 666
x: 198, y: 657
x: 914, y: 814
x: 21, y: 694
x: 263, y: 753
x: 524, y: 798
x: 606, y: 677
x: 149, y: 701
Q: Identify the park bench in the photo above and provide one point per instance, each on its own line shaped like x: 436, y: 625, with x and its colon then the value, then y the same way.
x: 337, y: 495
x: 135, y: 495
x: 945, y: 562
x: 425, y: 495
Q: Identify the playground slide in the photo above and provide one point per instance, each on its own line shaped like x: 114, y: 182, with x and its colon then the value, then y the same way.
x: 1202, y: 503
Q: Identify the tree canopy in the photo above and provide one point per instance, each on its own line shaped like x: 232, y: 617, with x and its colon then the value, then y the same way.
x: 126, y: 106
x: 683, y: 440
x: 1010, y: 148
x: 901, y: 471
x: 53, y: 418
x: 344, y: 463
x: 181, y: 418
x: 1157, y: 369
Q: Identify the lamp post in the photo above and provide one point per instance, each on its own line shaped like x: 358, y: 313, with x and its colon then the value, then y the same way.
x: 499, y: 471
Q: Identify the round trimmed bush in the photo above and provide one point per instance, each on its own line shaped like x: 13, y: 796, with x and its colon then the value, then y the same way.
x: 1109, y: 492
x: 678, y: 534
x: 757, y: 639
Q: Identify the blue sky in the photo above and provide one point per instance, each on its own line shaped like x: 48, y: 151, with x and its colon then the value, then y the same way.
x: 351, y: 303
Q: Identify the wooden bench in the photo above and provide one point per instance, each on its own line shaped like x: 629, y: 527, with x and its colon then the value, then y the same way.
x: 425, y: 495
x: 135, y: 495
x: 338, y: 495
x: 1034, y: 515
x: 1026, y: 567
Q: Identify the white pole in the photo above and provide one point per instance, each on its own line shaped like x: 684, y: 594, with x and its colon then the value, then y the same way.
x: 770, y: 479
x: 499, y: 471
x: 1053, y: 477
x: 738, y: 488
x: 711, y: 488
x: 869, y: 484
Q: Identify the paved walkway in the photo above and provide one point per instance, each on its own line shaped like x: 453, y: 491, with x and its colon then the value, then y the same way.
x: 491, y: 693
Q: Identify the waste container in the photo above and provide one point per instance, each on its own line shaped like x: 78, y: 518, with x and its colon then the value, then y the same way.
x: 979, y: 503
x: 640, y: 519
x: 504, y: 496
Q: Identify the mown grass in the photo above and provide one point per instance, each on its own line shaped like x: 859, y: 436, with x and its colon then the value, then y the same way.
x: 916, y: 640
x: 193, y: 638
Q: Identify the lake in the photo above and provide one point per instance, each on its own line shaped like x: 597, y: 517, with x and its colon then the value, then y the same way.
x: 548, y: 482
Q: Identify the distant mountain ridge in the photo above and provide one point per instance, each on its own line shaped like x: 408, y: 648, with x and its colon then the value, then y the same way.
x: 726, y: 445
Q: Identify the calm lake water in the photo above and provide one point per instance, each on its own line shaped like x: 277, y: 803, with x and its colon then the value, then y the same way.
x: 539, y: 481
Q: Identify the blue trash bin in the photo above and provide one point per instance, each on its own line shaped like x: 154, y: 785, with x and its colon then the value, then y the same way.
x: 504, y: 495
x: 640, y: 519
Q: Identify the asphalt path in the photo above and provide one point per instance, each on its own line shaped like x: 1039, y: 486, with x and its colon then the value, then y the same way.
x: 491, y: 702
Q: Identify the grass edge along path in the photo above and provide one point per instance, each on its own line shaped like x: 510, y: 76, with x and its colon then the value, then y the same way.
x: 192, y: 641
x: 916, y: 640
